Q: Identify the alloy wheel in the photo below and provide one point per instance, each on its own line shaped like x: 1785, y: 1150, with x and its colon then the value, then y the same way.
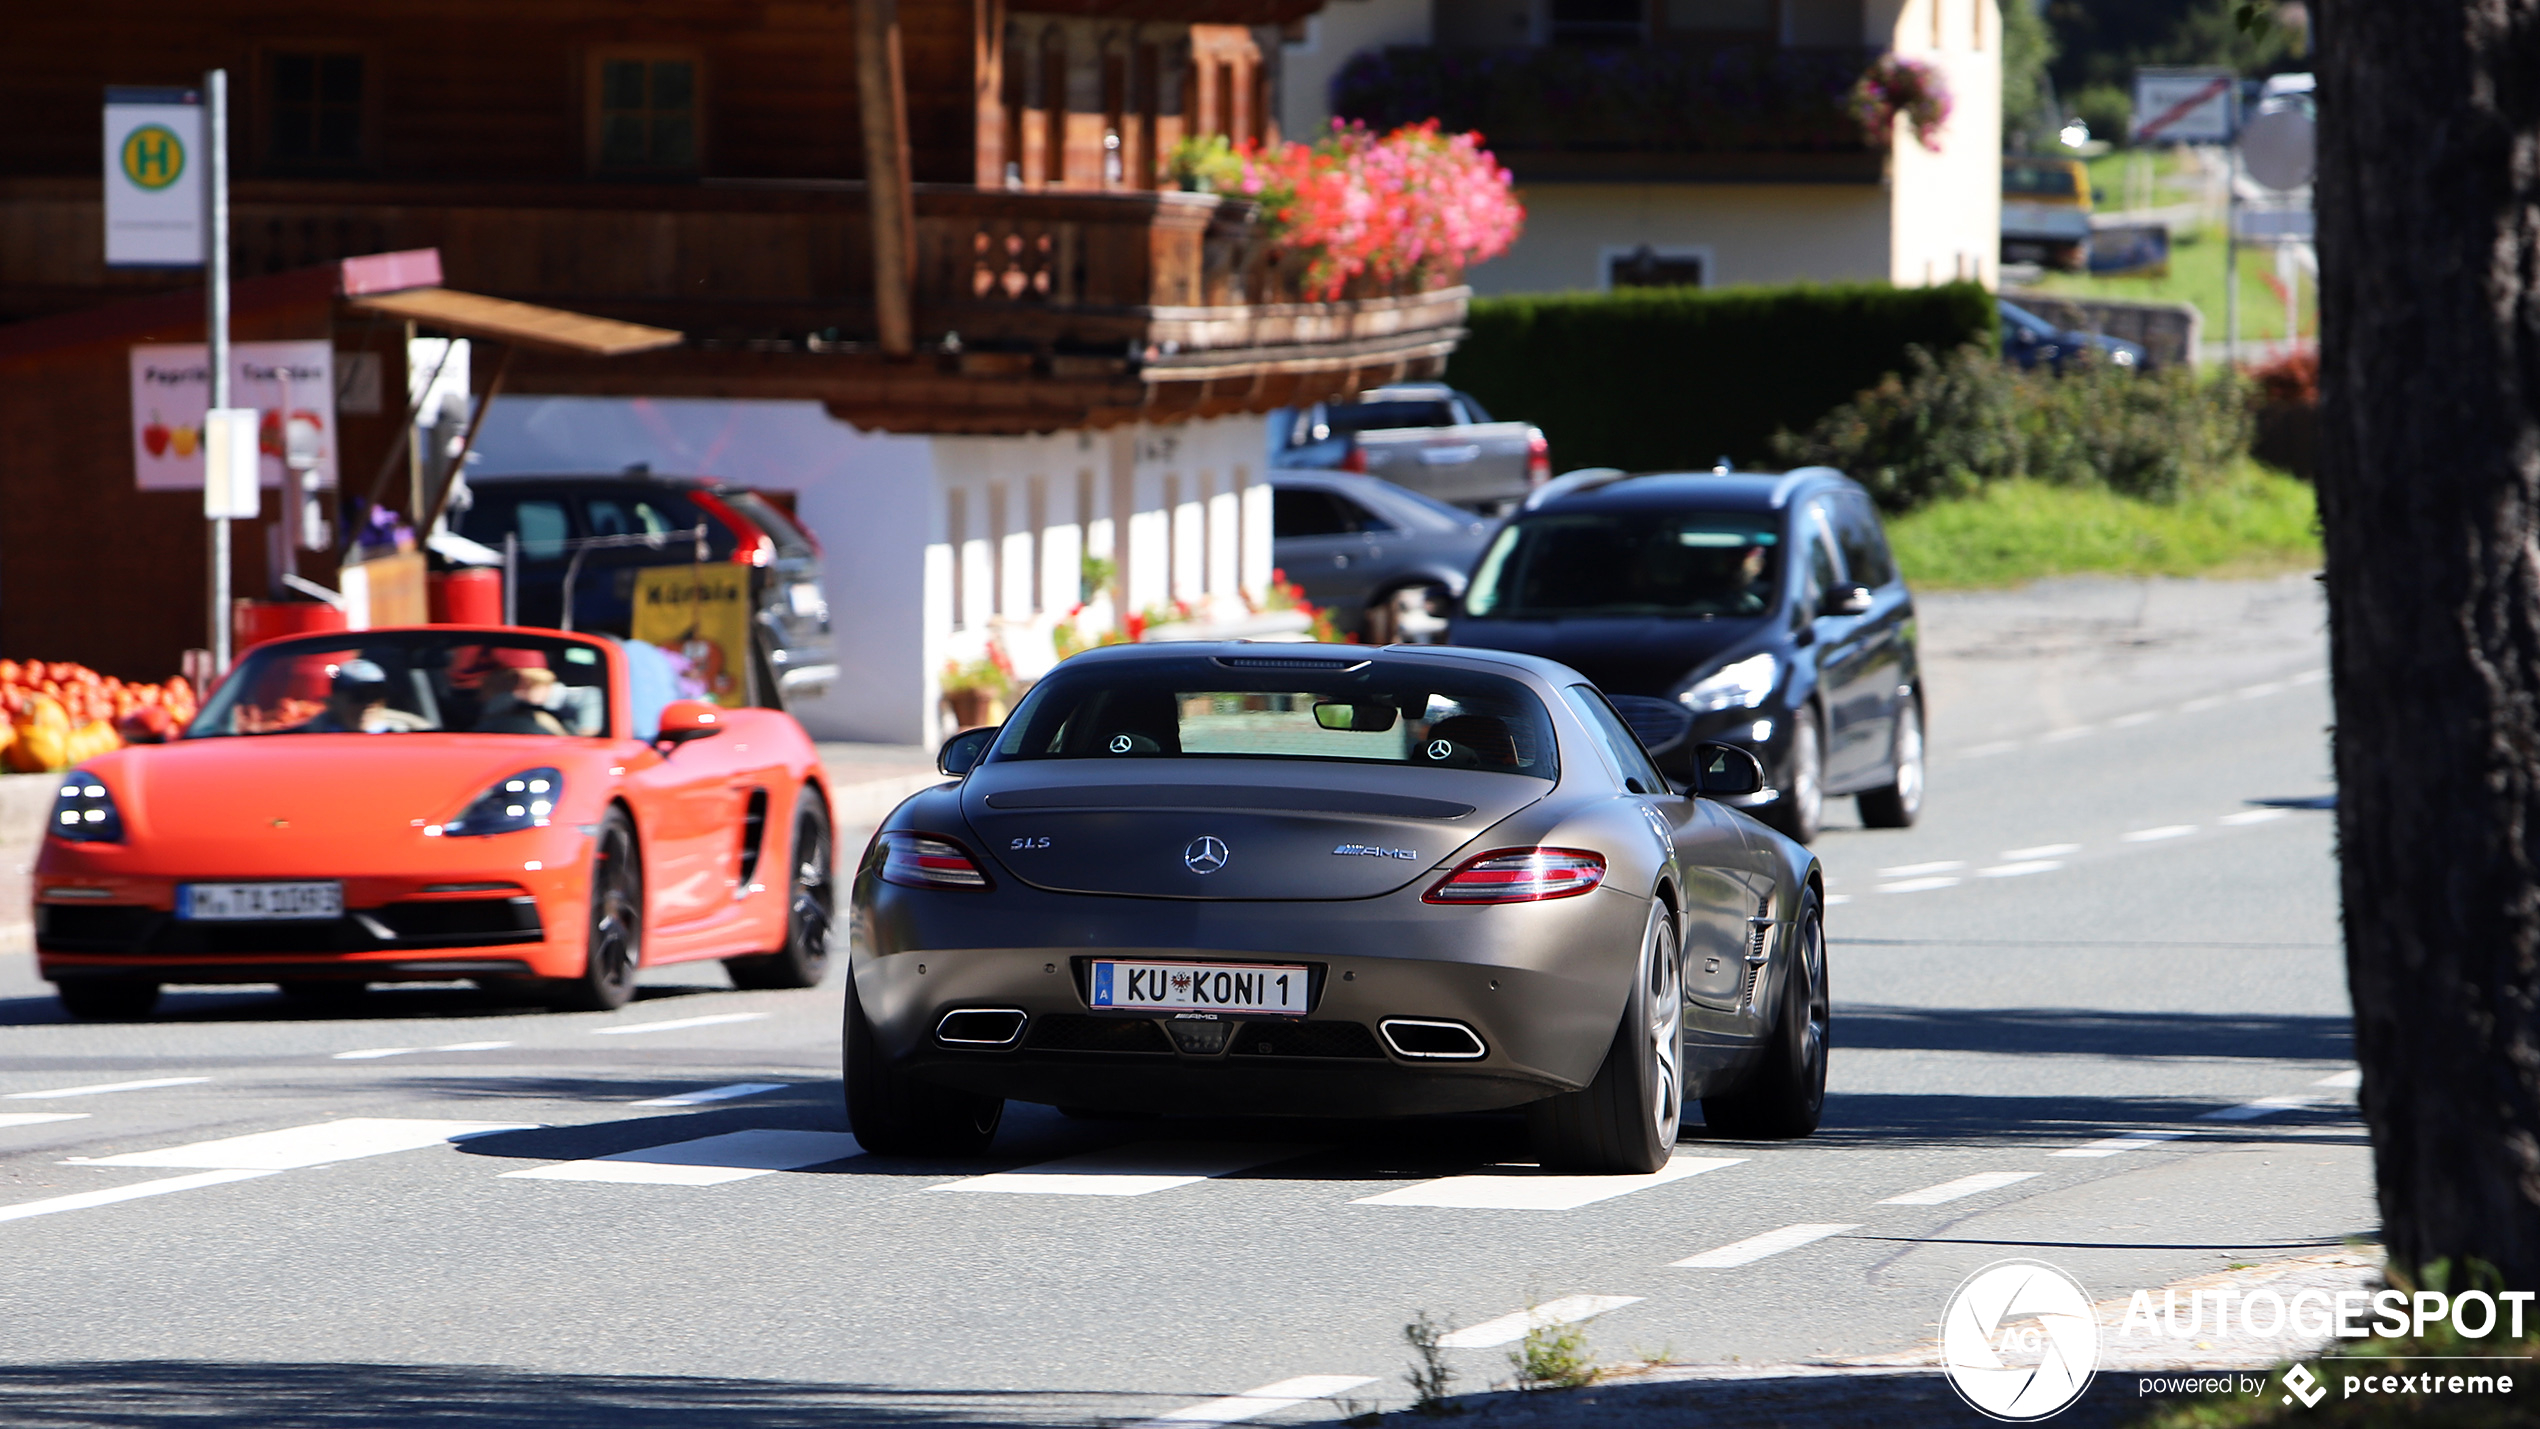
x: 617, y: 923
x: 1666, y: 1030
x: 815, y: 897
x: 1909, y: 758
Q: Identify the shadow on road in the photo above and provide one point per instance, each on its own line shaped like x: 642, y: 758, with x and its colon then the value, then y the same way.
x: 2091, y: 1032
x: 1818, y: 1401
x: 385, y: 1003
x: 126, y: 1394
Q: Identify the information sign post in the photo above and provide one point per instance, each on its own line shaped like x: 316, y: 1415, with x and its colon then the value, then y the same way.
x: 217, y: 503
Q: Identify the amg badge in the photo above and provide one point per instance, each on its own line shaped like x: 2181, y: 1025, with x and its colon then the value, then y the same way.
x: 1371, y: 851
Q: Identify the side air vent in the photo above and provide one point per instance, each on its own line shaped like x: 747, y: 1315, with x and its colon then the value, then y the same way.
x: 753, y: 838
x: 1759, y: 944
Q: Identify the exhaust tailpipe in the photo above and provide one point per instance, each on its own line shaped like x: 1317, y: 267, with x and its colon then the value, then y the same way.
x: 1429, y: 1041
x: 981, y: 1027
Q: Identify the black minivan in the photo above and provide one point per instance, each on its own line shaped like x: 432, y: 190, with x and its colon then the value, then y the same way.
x: 1743, y: 608
x: 593, y: 532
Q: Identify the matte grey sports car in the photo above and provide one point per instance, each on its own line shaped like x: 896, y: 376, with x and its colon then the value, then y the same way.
x: 1333, y: 881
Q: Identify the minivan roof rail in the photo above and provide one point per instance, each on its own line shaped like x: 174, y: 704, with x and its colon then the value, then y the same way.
x: 1585, y: 478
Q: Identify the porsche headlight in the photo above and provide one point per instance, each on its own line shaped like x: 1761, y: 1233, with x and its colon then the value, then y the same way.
x: 526, y: 800
x: 84, y: 812
x: 1740, y: 686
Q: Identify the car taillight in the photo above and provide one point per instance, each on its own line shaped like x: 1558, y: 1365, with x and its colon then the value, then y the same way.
x: 751, y: 546
x: 1356, y: 460
x: 1538, y: 460
x: 919, y: 861
x: 1521, y: 875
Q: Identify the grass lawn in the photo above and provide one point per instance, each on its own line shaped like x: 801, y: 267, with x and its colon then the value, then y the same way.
x: 2255, y: 522
x: 2196, y: 277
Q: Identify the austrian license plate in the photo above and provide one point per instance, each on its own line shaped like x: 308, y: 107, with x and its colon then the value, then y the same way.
x: 1201, y: 987
x: 262, y: 902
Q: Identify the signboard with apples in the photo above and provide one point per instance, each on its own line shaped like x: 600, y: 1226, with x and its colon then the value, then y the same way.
x: 171, y: 388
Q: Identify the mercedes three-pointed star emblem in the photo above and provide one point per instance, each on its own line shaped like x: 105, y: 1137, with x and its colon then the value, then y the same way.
x: 1207, y: 854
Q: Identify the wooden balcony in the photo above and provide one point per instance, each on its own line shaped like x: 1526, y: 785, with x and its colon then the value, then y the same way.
x: 1034, y: 311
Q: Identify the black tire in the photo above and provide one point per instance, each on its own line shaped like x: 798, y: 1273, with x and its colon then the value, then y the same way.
x: 107, y: 999
x: 1785, y: 1093
x: 323, y: 992
x: 895, y: 1115
x: 1625, y: 1121
x: 1099, y: 1113
x: 1801, y: 809
x: 811, y: 906
x: 615, y: 947
x: 1900, y: 803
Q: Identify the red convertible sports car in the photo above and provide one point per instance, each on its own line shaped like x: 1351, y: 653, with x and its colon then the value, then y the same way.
x: 526, y: 808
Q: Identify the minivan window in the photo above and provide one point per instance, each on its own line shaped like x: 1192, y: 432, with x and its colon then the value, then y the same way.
x: 1856, y: 531
x: 1681, y: 563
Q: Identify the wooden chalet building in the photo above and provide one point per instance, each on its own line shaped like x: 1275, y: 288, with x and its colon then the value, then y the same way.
x: 946, y: 222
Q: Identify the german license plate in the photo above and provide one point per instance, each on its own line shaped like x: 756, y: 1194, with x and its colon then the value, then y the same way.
x: 261, y: 902
x: 1201, y: 987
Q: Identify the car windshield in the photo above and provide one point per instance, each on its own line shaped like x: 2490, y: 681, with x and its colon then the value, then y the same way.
x: 409, y: 681
x: 1352, y: 712
x: 1696, y: 563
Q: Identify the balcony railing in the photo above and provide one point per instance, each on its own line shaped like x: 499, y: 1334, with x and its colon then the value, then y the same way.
x: 1724, y: 100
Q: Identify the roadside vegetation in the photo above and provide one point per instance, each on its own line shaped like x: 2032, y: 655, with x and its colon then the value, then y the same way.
x: 2253, y: 522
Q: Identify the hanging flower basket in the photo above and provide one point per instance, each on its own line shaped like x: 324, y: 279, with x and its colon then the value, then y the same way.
x: 1895, y: 86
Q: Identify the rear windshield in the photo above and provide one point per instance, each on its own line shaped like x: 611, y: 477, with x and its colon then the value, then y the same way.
x: 1691, y: 563
x: 412, y: 682
x: 1369, y: 712
x: 2039, y: 181
x: 1378, y: 416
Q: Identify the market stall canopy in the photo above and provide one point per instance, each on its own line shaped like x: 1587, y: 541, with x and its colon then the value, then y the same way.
x: 527, y: 324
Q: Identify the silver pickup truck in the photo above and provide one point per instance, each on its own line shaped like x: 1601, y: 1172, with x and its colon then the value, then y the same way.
x: 1422, y: 435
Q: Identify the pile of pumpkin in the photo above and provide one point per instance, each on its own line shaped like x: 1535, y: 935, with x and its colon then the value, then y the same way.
x: 60, y: 714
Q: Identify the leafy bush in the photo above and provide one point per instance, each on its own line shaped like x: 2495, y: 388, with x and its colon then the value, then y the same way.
x: 1948, y: 426
x: 1657, y: 379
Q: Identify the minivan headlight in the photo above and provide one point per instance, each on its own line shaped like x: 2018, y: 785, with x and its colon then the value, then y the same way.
x: 526, y: 800
x: 84, y: 812
x: 1739, y: 686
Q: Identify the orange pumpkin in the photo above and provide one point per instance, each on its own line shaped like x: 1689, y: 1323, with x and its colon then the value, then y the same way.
x: 43, y: 737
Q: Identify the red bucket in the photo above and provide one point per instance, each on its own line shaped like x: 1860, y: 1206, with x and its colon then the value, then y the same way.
x: 473, y: 596
x: 255, y: 621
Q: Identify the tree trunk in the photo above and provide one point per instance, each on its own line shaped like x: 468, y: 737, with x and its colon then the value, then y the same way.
x: 2429, y: 240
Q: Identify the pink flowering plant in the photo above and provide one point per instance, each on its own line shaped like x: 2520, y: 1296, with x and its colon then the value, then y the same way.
x: 1363, y: 210
x: 1895, y: 85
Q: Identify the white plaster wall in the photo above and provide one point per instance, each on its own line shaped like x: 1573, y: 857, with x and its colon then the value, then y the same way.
x: 1753, y: 233
x: 1341, y: 29
x: 1947, y: 206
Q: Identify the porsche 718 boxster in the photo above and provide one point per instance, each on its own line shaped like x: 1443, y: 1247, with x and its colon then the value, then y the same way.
x: 525, y: 808
x: 1331, y: 881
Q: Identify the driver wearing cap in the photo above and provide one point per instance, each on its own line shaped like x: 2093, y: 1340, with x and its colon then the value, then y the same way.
x: 357, y: 703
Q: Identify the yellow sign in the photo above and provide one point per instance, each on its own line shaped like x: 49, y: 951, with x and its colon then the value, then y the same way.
x: 701, y: 613
x: 153, y: 156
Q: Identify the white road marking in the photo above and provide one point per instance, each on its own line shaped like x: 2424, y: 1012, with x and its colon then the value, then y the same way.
x: 2021, y: 855
x: 1498, y: 1191
x: 706, y: 1161
x: 2198, y: 706
x: 1916, y: 870
x: 2130, y: 721
x: 2251, y: 816
x: 104, y: 1087
x: 1948, y: 1191
x: 2115, y: 1145
x: 674, y: 1024
x: 2352, y: 1079
x: 471, y: 1047
x: 1920, y: 885
x: 2058, y: 736
x: 1999, y: 746
x: 86, y: 1199
x: 1755, y: 1248
x: 314, y: 1145
x: 1253, y: 1403
x: 716, y: 1094
x: 2165, y: 831
x: 2259, y: 691
x: 2021, y: 869
x: 1136, y: 1170
x: 1258, y: 1402
x: 2263, y: 1106
x: 2310, y: 677
x: 367, y: 1053
x: 1509, y: 1329
x: 37, y: 1118
x: 1834, y: 898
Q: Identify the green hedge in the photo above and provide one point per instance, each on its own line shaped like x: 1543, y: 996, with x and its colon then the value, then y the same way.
x: 1652, y: 379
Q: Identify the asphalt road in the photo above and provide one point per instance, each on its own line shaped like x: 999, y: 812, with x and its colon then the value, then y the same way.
x: 2117, y: 921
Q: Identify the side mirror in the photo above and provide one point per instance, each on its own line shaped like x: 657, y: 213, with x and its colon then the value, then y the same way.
x: 962, y: 751
x: 684, y: 720
x: 1846, y: 600
x: 1725, y: 770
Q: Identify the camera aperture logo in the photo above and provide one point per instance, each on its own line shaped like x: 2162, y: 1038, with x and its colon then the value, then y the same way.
x: 2019, y: 1340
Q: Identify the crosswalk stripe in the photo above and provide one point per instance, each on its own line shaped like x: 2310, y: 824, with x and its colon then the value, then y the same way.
x: 2262, y: 1107
x: 104, y: 1087
x: 706, y: 1161
x: 1509, y: 1329
x: 715, y: 1094
x: 1948, y: 1191
x: 2352, y: 1079
x: 2118, y: 1145
x: 86, y: 1199
x: 314, y: 1145
x: 1255, y: 1402
x: 37, y: 1118
x: 676, y: 1023
x: 368, y: 1053
x: 1519, y: 1191
x: 1137, y: 1170
x: 1755, y: 1248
